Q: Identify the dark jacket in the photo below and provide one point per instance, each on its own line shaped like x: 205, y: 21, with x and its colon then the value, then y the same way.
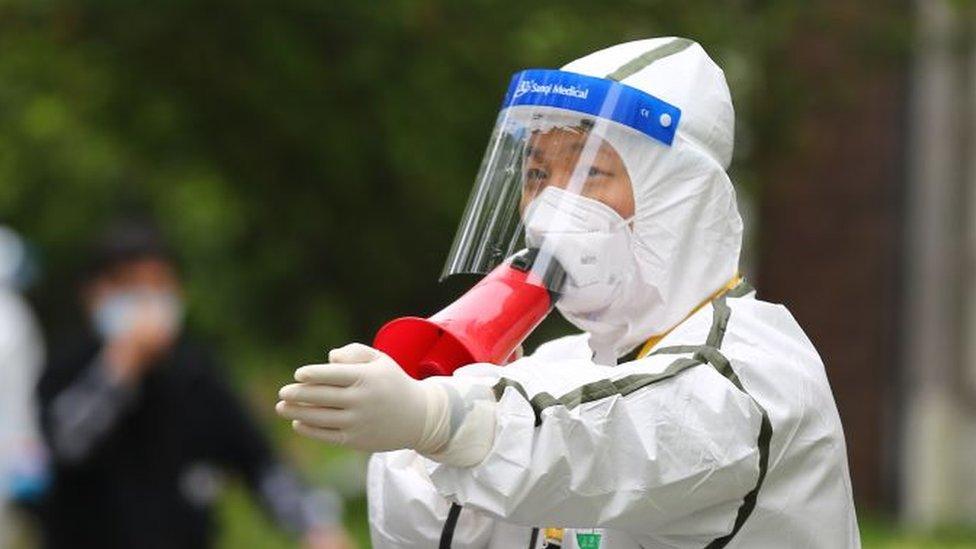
x: 141, y: 468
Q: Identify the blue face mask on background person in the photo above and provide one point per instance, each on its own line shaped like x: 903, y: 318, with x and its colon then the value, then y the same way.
x: 117, y: 313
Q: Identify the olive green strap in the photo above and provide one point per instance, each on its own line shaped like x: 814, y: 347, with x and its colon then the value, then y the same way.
x: 644, y: 60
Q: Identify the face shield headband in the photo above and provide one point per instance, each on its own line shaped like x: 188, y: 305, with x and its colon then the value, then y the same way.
x: 597, y: 97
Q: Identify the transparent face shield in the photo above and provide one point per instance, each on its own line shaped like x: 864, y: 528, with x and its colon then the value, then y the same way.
x: 556, y: 169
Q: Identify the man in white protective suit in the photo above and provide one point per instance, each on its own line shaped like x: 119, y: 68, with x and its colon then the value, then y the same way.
x: 688, y: 414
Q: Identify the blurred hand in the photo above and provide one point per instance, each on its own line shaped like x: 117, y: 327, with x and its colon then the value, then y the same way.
x: 130, y: 355
x: 364, y: 400
x: 328, y: 538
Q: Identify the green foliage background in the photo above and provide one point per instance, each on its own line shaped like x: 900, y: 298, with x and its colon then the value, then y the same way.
x: 309, y: 160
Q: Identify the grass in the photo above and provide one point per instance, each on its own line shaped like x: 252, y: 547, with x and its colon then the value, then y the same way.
x: 877, y: 533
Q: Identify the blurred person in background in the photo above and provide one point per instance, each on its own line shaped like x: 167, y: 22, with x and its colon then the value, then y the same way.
x: 142, y: 424
x: 23, y: 475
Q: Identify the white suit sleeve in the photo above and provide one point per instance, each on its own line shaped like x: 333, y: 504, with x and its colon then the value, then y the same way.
x: 664, y: 445
x: 406, y: 511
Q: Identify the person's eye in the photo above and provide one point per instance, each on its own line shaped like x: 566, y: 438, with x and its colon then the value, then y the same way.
x: 597, y: 172
x: 535, y: 175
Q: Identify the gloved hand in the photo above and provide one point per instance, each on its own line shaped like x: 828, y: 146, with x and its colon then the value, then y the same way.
x: 364, y: 400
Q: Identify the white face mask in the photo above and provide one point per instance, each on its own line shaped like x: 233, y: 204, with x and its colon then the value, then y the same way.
x: 116, y: 314
x: 591, y: 241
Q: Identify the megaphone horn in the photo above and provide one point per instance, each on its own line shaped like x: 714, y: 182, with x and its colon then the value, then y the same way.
x: 486, y: 324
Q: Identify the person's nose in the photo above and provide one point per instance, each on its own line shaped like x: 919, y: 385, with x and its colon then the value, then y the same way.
x: 559, y: 176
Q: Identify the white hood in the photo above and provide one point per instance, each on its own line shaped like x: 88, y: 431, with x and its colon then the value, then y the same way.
x: 687, y: 229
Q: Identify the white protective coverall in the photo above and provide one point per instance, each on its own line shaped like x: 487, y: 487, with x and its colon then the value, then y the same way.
x: 21, y: 356
x: 724, y: 434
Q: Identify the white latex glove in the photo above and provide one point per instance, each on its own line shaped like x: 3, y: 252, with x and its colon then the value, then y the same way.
x: 364, y: 400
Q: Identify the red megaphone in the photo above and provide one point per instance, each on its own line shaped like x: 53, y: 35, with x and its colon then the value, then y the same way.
x: 486, y: 324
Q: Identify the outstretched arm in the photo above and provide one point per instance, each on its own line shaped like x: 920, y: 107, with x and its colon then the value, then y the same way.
x: 664, y: 443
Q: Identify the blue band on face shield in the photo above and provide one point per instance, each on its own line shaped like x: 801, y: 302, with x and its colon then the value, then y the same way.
x: 597, y: 97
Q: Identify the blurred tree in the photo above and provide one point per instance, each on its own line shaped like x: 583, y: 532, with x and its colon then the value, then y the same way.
x: 308, y: 159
